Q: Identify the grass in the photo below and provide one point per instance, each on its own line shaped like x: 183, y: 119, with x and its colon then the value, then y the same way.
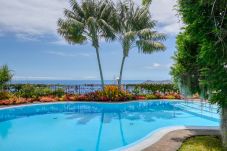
x: 202, y: 143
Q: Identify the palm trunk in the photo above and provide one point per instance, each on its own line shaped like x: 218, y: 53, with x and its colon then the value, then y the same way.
x: 100, y: 67
x: 121, y: 72
x: 224, y: 126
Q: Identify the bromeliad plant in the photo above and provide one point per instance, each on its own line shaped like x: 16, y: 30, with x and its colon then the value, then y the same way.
x: 112, y: 93
x: 109, y: 94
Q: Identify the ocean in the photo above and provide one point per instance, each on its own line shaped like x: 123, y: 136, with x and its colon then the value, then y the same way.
x: 73, y: 82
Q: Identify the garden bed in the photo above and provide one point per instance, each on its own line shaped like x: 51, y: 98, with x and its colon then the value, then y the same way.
x: 30, y: 94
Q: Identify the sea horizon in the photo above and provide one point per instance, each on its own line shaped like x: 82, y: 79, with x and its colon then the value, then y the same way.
x: 77, y: 82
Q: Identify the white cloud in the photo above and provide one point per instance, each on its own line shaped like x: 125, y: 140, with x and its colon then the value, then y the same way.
x: 60, y: 41
x: 157, y: 66
x: 66, y: 54
x: 164, y: 12
x: 36, y: 17
x: 52, y: 78
x: 36, y: 78
x: 29, y: 19
x: 27, y: 37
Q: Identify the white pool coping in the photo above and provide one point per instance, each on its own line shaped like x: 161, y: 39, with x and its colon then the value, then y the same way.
x: 151, y: 139
x: 86, y: 102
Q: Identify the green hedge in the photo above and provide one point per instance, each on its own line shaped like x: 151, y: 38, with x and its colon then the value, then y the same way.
x: 154, y: 87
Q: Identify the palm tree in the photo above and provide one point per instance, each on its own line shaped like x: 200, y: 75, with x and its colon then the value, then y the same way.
x: 89, y: 20
x: 146, y: 2
x: 5, y: 76
x: 134, y: 29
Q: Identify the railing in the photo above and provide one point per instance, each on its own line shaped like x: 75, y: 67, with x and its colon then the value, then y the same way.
x: 71, y: 89
x: 86, y: 88
x: 202, y: 105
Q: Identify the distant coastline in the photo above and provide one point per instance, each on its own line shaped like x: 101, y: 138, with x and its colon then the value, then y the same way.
x: 75, y: 82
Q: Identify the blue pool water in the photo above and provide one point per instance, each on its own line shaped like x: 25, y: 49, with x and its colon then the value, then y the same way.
x: 95, y: 126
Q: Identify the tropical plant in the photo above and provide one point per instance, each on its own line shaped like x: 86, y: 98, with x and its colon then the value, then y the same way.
x: 185, y: 71
x: 146, y: 2
x: 200, y: 63
x: 26, y: 91
x: 90, y: 20
x: 5, y: 76
x: 134, y: 29
x: 152, y: 88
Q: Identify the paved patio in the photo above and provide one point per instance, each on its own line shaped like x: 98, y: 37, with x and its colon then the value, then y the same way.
x: 173, y: 140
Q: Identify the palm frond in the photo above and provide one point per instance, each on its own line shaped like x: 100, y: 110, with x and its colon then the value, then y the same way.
x: 152, y: 35
x: 148, y: 46
x: 72, y: 31
x: 76, y: 8
x: 107, y: 30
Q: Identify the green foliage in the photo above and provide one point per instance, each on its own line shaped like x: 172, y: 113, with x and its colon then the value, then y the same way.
x: 202, y: 143
x: 26, y: 91
x: 5, y: 76
x: 151, y: 97
x: 146, y: 2
x: 134, y: 28
x: 88, y: 20
x: 152, y: 88
x: 4, y: 95
x: 32, y: 91
x: 185, y: 70
x: 41, y: 91
x: 201, y: 59
x: 59, y: 92
x: 136, y: 91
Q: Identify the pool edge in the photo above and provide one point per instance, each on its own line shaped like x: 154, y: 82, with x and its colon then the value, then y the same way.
x: 153, y: 138
x: 72, y: 102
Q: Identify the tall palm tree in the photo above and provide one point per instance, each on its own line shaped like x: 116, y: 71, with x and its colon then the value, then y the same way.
x: 134, y: 29
x: 89, y: 20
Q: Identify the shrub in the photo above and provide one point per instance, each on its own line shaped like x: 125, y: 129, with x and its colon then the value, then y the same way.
x: 155, y: 87
x: 110, y: 93
x: 48, y: 99
x: 141, y: 97
x: 4, y: 95
x: 41, y: 91
x: 30, y: 91
x: 26, y: 91
x: 151, y: 96
x: 169, y: 97
x: 59, y: 92
x: 136, y: 91
x: 69, y: 97
x: 5, y: 76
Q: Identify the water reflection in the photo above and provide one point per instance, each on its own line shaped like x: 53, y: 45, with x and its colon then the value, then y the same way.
x: 74, y: 109
x: 5, y: 129
x: 85, y: 112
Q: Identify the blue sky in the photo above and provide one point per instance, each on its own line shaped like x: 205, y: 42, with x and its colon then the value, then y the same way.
x: 31, y: 47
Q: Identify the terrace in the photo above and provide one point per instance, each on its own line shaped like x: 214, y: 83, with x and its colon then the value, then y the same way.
x: 54, y: 98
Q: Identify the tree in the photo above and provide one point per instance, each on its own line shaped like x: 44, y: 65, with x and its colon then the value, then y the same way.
x: 134, y: 29
x: 185, y: 71
x: 5, y: 76
x: 90, y: 20
x: 203, y: 42
x: 146, y: 2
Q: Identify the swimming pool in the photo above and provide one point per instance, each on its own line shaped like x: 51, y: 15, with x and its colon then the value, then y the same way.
x: 95, y: 126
